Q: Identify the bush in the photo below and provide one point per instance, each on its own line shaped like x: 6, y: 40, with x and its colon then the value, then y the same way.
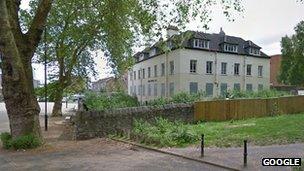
x: 6, y: 140
x: 102, y: 101
x: 182, y: 97
x: 163, y: 133
x: 22, y: 142
x: 259, y: 94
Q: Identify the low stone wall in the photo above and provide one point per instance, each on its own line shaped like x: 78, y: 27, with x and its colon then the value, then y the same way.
x: 90, y: 124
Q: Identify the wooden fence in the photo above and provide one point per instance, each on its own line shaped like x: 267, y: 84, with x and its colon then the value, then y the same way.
x: 222, y: 110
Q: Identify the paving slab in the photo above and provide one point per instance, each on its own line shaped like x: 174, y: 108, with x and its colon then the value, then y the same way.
x: 233, y: 157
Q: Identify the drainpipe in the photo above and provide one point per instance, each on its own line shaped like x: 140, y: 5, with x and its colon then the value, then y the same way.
x: 244, y: 75
x: 215, y: 74
x: 141, y: 86
x: 167, y: 75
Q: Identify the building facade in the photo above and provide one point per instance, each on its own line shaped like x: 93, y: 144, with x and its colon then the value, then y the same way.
x: 110, y: 84
x: 210, y: 63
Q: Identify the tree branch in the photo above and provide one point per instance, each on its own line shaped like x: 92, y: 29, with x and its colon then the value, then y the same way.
x: 39, y: 22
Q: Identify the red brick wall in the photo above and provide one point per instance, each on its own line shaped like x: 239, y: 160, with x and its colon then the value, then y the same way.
x: 275, y: 63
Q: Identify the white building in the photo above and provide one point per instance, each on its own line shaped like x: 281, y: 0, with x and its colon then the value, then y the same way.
x: 212, y: 63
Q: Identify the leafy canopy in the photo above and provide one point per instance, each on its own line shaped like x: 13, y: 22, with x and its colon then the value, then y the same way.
x: 116, y: 26
x: 292, y: 66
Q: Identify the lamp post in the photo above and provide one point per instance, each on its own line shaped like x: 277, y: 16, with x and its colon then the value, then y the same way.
x: 45, y: 83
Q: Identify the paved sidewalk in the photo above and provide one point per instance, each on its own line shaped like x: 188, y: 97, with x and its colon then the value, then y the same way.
x: 233, y: 157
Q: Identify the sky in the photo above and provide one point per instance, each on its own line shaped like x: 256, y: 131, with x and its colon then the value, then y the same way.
x: 264, y: 22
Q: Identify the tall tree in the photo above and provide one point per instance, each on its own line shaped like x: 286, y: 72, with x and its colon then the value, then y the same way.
x: 18, y: 49
x: 292, y: 66
x: 122, y: 22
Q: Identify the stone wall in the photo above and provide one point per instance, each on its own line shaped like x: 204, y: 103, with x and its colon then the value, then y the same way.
x: 90, y: 124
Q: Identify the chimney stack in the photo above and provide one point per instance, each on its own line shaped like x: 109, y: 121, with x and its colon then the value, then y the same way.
x: 222, y: 32
x: 171, y: 31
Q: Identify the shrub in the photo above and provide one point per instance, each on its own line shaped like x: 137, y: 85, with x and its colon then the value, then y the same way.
x: 22, y: 142
x: 182, y: 97
x: 163, y: 133
x: 6, y: 140
x: 102, y: 101
x: 259, y: 94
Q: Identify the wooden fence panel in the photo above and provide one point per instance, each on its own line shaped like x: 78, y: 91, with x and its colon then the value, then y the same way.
x: 247, y: 108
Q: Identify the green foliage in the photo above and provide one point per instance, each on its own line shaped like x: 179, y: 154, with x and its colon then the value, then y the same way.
x: 190, y: 98
x: 6, y: 140
x: 182, y: 97
x: 299, y: 168
x: 102, y: 101
x: 292, y: 66
x: 22, y: 142
x: 258, y: 131
x: 163, y: 133
x: 258, y: 94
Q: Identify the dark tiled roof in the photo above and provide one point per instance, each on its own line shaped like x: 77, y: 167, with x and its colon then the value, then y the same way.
x: 215, y: 44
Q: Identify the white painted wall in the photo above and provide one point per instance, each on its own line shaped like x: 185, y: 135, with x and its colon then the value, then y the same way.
x: 182, y: 76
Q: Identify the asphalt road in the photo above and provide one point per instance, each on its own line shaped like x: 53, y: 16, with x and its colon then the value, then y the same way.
x: 4, y: 124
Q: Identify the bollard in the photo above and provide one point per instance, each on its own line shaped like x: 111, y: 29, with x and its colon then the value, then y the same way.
x: 202, y: 146
x: 245, y: 153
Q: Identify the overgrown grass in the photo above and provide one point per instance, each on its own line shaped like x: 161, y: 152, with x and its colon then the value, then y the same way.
x: 22, y: 142
x: 299, y: 168
x: 102, y: 101
x: 258, y: 94
x: 258, y: 131
x: 163, y: 133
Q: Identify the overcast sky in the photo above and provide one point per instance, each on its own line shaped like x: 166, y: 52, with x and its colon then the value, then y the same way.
x: 263, y: 21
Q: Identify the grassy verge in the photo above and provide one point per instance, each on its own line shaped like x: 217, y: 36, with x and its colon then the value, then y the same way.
x: 258, y: 131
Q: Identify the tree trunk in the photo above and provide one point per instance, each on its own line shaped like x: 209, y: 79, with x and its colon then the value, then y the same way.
x: 16, y: 51
x: 22, y: 108
x: 57, y: 105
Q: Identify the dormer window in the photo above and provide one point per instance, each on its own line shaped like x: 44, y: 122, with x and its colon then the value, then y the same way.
x: 230, y: 48
x: 254, y: 51
x: 141, y: 56
x: 200, y: 43
x: 152, y: 52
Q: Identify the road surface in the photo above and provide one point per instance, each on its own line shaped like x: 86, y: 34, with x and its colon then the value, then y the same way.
x: 4, y: 124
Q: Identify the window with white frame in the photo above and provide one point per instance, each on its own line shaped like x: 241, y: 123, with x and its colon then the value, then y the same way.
x: 155, y: 89
x: 171, y: 89
x: 134, y: 74
x: 143, y: 73
x: 200, y: 43
x: 236, y: 69
x: 249, y: 87
x: 209, y: 89
x: 134, y: 90
x: 223, y: 68
x: 260, y: 87
x: 143, y: 90
x: 141, y: 56
x: 248, y: 69
x: 237, y: 87
x: 254, y: 51
x: 193, y: 87
x: 162, y: 69
x: 230, y: 48
x: 260, y: 71
x: 171, y: 67
x: 139, y: 90
x: 163, y: 90
x: 149, y: 89
x: 152, y: 52
x: 139, y: 74
x: 193, y: 66
x: 155, y: 70
x: 149, y: 72
x: 131, y: 75
x: 209, y: 67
